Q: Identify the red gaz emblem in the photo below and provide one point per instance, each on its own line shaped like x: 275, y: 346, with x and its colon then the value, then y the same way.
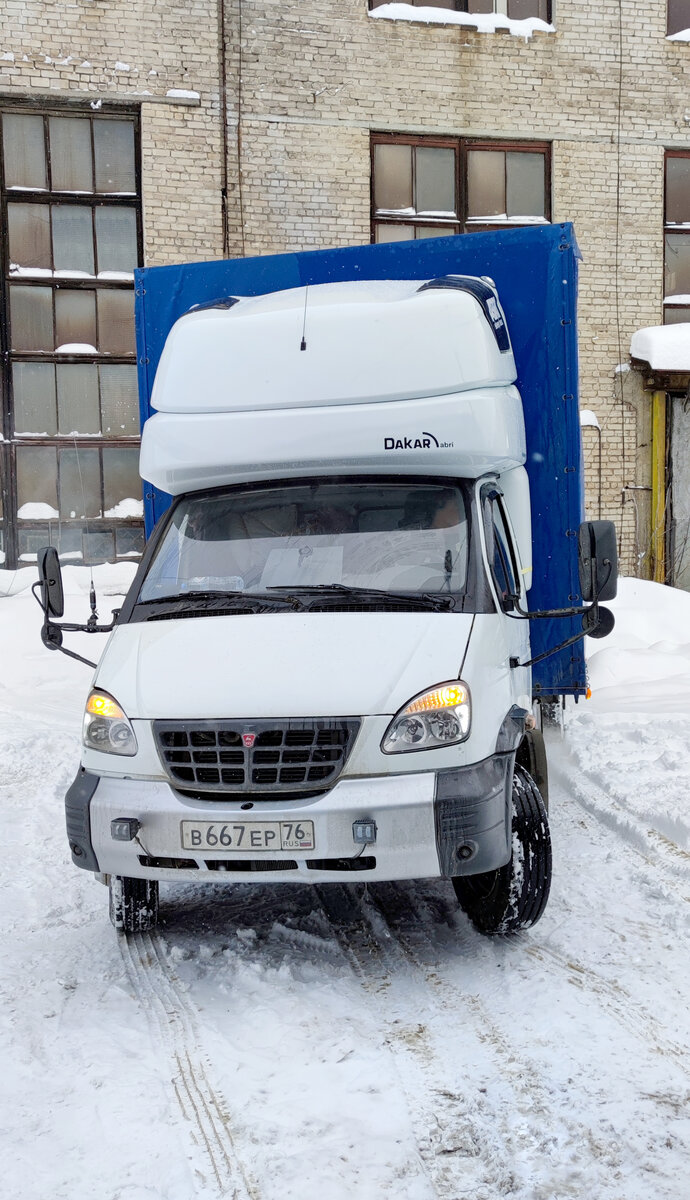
x: 248, y: 740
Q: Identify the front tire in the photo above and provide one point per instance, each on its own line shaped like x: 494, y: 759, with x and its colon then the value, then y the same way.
x: 133, y: 903
x: 514, y: 896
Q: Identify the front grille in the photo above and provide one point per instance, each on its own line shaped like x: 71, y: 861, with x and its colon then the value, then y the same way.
x: 285, y: 755
x: 251, y: 865
x: 168, y: 864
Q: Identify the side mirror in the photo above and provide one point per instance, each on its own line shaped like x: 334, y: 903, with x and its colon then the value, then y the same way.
x: 50, y: 579
x: 597, y: 561
x: 598, y: 622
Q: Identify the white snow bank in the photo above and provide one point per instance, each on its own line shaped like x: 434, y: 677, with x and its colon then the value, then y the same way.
x: 644, y: 665
x: 587, y: 417
x: 482, y: 22
x: 664, y: 347
x: 110, y: 578
x: 130, y: 507
x: 36, y: 510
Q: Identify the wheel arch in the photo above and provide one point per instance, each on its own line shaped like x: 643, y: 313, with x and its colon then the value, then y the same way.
x: 531, y: 756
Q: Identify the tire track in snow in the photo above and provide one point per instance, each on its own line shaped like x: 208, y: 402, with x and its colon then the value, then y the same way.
x: 510, y: 1063
x: 457, y: 1155
x: 655, y: 860
x: 470, y: 1141
x: 532, y: 1119
x: 616, y: 1000
x: 655, y: 850
x: 175, y: 1025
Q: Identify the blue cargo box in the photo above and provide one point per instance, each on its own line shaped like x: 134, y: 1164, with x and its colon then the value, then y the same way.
x: 535, y: 271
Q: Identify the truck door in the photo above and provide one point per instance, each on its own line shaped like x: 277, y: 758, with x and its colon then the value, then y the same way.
x: 507, y: 581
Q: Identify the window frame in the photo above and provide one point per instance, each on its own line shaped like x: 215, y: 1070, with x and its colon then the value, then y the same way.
x: 93, y: 200
x: 492, y: 499
x: 675, y: 229
x: 461, y: 145
x: 672, y: 32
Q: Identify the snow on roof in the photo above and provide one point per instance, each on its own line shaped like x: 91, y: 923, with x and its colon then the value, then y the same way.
x: 482, y: 22
x: 664, y: 347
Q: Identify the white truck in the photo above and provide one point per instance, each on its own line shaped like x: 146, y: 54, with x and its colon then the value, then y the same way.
x: 321, y: 671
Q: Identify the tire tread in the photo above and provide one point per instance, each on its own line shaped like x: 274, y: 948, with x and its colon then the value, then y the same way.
x: 499, y: 902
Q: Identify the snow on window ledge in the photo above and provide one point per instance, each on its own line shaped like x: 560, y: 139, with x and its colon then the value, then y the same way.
x: 504, y: 219
x: 475, y: 22
x: 683, y: 35
x: 663, y: 347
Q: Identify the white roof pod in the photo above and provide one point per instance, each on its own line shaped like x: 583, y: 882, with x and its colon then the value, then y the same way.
x: 365, y: 342
x: 400, y: 377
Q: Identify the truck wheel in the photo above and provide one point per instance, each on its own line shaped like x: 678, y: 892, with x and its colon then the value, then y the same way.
x: 513, y: 897
x: 133, y: 903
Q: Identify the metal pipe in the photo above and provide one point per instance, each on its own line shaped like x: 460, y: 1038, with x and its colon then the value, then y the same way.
x: 659, y: 486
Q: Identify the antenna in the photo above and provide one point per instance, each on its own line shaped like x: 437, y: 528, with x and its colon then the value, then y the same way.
x: 303, y: 343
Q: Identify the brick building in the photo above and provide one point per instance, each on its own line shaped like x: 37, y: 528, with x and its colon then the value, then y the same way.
x: 191, y: 129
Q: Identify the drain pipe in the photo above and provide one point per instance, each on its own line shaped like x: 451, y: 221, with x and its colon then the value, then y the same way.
x: 659, y: 486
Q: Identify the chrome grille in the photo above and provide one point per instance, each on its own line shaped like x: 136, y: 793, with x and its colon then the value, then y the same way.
x: 267, y: 756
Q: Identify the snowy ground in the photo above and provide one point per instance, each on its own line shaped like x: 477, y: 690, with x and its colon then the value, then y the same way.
x: 293, y: 1042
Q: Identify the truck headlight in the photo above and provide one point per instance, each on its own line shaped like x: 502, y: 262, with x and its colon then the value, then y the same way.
x: 106, y: 727
x: 435, y: 718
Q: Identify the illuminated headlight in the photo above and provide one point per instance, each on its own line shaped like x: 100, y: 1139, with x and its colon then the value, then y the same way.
x: 106, y: 727
x: 436, y: 718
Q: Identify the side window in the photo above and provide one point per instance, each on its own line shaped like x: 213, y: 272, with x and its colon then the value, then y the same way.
x: 501, y: 551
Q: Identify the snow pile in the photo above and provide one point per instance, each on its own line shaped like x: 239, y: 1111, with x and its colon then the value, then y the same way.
x: 481, y: 22
x: 664, y: 347
x: 130, y: 507
x: 644, y: 665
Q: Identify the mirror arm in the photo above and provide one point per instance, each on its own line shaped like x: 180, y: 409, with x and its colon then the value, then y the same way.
x: 515, y: 662
x: 554, y: 613
x: 550, y: 613
x: 88, y: 628
x: 593, y: 608
x: 79, y: 657
x: 51, y: 635
x: 72, y: 654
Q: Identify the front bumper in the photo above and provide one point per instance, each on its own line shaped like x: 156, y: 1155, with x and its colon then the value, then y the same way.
x: 424, y: 820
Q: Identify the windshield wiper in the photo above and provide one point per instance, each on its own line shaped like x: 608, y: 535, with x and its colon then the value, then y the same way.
x: 217, y: 600
x: 424, y: 600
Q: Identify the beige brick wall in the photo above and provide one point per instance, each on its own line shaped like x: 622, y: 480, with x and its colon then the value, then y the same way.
x: 136, y: 52
x: 312, y: 81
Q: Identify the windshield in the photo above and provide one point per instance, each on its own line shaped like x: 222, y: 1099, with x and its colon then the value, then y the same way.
x: 401, y: 537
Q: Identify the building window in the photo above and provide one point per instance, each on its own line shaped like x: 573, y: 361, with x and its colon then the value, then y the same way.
x: 678, y: 16
x: 431, y: 187
x: 677, y: 238
x: 516, y: 10
x: 71, y: 212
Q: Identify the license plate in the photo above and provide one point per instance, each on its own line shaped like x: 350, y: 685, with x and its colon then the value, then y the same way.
x: 247, y: 837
